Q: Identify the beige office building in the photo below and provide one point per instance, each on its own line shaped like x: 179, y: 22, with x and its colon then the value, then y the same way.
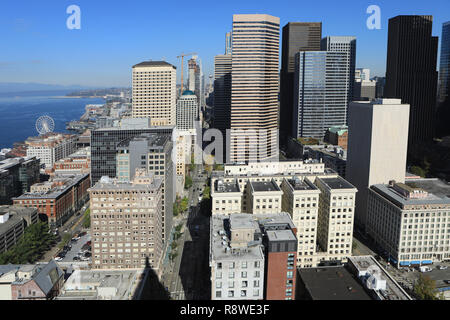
x: 154, y: 92
x: 377, y: 147
x: 410, y: 221
x: 126, y: 223
x: 254, y: 88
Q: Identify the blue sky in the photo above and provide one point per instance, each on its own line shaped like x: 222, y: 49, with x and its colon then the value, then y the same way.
x: 36, y: 45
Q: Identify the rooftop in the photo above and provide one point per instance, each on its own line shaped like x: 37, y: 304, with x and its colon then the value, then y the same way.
x: 332, y: 283
x: 225, y: 187
x: 336, y: 183
x: 366, y: 266
x: 84, y: 284
x: 220, y: 242
x: 300, y: 185
x: 16, y: 214
x: 153, y: 140
x: 154, y: 64
x: 65, y: 183
x: 281, y: 235
x: 263, y: 186
x: 438, y: 192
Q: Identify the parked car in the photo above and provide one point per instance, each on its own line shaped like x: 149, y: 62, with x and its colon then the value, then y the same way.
x: 442, y: 267
x: 82, y: 234
x: 76, y: 259
x: 88, y: 254
x: 58, y: 259
x: 447, y: 281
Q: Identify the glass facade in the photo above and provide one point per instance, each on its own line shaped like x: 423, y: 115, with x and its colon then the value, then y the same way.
x: 322, y: 84
x: 444, y: 70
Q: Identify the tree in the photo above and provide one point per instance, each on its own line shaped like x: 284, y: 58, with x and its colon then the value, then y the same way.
x: 35, y: 241
x: 418, y: 171
x: 87, y: 219
x: 207, y: 192
x: 425, y: 288
x: 188, y: 182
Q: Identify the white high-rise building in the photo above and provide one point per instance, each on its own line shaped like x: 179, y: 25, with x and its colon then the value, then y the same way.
x: 377, y: 147
x: 187, y: 111
x: 154, y: 92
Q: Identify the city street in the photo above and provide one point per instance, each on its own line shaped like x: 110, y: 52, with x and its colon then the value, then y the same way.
x: 76, y: 247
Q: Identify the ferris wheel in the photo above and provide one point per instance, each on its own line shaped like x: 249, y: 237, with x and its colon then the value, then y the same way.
x: 45, y: 124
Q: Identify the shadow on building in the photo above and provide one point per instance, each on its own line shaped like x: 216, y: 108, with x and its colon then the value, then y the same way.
x: 194, y: 266
x: 150, y: 288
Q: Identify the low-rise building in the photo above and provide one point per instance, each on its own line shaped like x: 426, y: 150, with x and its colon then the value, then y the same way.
x: 252, y: 257
x: 410, y: 221
x: 57, y: 199
x: 377, y: 281
x: 31, y: 282
x: 337, y: 136
x: 13, y: 221
x: 51, y: 147
x: 99, y: 285
x: 76, y: 163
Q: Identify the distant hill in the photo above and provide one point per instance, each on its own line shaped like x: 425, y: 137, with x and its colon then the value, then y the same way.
x: 8, y: 87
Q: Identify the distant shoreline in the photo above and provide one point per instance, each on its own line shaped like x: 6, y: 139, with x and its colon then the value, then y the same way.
x: 77, y: 97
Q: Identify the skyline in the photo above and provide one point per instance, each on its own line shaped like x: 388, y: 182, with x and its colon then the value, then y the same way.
x: 41, y: 49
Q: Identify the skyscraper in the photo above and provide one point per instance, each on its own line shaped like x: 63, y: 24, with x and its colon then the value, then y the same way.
x: 154, y: 92
x: 377, y: 147
x: 254, y: 87
x: 321, y: 88
x: 443, y: 112
x: 444, y: 70
x: 343, y: 44
x: 187, y: 111
x: 411, y: 71
x: 228, y: 43
x: 297, y: 36
x: 222, y: 93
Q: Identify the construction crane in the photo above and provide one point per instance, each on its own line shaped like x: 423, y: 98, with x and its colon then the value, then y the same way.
x: 182, y: 65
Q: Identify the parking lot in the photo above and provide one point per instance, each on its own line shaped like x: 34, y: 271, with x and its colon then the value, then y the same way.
x: 76, y: 248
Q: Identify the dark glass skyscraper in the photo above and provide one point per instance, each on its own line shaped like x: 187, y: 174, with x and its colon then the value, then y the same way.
x: 297, y: 36
x: 444, y: 70
x: 411, y: 71
x: 443, y: 112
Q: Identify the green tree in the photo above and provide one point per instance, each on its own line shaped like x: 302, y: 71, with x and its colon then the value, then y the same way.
x: 188, y: 182
x: 207, y: 192
x: 418, y: 171
x: 425, y: 288
x: 35, y: 241
x: 87, y: 219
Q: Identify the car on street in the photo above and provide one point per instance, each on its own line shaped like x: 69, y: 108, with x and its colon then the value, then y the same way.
x: 58, y: 259
x: 447, y: 281
x: 442, y: 267
x: 76, y: 259
x: 82, y: 234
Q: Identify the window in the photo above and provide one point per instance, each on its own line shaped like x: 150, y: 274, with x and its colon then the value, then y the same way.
x: 218, y: 294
